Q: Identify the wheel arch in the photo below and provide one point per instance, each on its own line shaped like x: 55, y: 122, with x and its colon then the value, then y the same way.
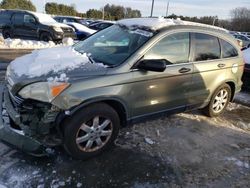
x: 232, y: 86
x: 115, y: 103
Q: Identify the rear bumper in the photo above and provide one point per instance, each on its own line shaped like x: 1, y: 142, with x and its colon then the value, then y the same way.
x: 14, y: 137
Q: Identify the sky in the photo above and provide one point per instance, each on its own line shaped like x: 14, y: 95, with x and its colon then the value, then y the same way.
x: 220, y: 8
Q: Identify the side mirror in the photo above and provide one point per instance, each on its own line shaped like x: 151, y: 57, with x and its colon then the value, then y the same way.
x: 156, y: 65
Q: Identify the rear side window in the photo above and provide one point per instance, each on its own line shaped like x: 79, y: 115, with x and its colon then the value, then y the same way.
x: 228, y: 50
x: 206, y: 47
x: 174, y: 48
x: 18, y: 18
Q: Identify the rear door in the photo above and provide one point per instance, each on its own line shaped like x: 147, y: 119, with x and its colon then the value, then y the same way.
x: 18, y: 25
x: 169, y: 90
x: 209, y: 68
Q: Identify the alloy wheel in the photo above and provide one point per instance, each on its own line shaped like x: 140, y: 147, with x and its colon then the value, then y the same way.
x: 94, y: 134
x: 220, y: 101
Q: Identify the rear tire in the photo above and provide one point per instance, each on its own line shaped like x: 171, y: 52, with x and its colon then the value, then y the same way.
x: 46, y: 37
x: 7, y: 33
x: 219, y: 101
x: 91, y: 131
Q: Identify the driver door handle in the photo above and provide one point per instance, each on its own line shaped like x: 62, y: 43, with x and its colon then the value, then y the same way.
x: 184, y: 70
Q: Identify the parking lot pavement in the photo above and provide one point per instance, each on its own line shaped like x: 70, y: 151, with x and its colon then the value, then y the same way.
x: 182, y: 150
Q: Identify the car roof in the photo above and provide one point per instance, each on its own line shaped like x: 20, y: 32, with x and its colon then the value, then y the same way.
x: 156, y: 24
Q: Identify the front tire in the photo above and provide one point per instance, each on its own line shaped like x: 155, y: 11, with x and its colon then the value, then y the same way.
x: 46, y: 37
x: 219, y: 101
x: 91, y: 131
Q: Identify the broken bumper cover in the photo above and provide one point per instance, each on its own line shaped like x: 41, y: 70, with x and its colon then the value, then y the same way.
x: 12, y: 136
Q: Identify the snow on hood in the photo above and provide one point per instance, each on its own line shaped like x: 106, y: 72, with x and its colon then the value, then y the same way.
x: 158, y: 23
x: 42, y: 62
x: 246, y: 55
x: 48, y: 20
x: 56, y: 24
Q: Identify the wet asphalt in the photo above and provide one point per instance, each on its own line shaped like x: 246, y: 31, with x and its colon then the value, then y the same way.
x: 182, y: 150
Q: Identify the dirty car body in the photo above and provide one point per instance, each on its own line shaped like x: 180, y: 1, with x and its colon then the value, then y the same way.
x: 134, y: 70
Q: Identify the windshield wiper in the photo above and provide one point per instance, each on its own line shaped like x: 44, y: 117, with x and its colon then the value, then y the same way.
x: 91, y: 60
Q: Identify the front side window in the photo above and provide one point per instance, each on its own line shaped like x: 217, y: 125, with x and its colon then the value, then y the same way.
x: 228, y: 50
x: 113, y: 45
x: 173, y: 48
x: 29, y: 19
x: 206, y: 47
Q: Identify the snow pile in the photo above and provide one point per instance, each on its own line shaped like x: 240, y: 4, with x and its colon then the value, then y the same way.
x: 158, y: 23
x: 239, y: 163
x: 41, y: 62
x: 31, y: 44
x: 68, y: 41
x: 246, y: 55
x: 1, y: 40
x: 26, y: 44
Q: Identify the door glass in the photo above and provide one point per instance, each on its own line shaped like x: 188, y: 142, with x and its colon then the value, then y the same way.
x: 206, y: 47
x: 29, y: 19
x: 174, y: 48
x: 18, y: 19
x: 228, y: 50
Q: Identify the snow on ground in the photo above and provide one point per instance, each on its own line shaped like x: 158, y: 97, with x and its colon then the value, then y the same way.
x: 246, y: 54
x: 31, y: 44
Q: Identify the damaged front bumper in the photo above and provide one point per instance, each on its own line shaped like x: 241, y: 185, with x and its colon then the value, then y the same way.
x: 14, y: 137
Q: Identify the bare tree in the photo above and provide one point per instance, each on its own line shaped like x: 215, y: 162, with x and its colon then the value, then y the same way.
x: 240, y: 19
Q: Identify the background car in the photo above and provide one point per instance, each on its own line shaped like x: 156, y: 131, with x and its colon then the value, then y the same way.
x: 32, y: 25
x: 101, y: 25
x: 81, y: 31
x: 66, y: 19
x: 246, y: 75
x: 243, y: 38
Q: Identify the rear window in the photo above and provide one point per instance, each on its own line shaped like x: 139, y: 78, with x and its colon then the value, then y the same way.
x: 228, y: 50
x: 206, y: 47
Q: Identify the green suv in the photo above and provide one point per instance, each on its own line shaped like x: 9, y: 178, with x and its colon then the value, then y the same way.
x: 80, y: 96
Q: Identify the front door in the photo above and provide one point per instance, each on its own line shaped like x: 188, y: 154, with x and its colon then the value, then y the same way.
x: 169, y: 90
x: 30, y: 26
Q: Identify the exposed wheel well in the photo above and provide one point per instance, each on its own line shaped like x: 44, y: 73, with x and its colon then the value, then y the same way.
x: 119, y: 108
x: 232, y: 86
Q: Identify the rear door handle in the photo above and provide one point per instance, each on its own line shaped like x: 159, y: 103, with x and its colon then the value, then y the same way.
x: 184, y: 70
x: 221, y: 65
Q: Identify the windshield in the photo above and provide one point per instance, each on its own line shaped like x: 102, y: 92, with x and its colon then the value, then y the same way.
x: 112, y: 46
x: 44, y: 18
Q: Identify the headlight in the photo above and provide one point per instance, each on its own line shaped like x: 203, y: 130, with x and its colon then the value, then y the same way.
x: 43, y: 91
x: 58, y: 29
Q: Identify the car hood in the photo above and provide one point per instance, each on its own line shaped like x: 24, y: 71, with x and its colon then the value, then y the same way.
x: 56, y: 64
x: 54, y: 24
